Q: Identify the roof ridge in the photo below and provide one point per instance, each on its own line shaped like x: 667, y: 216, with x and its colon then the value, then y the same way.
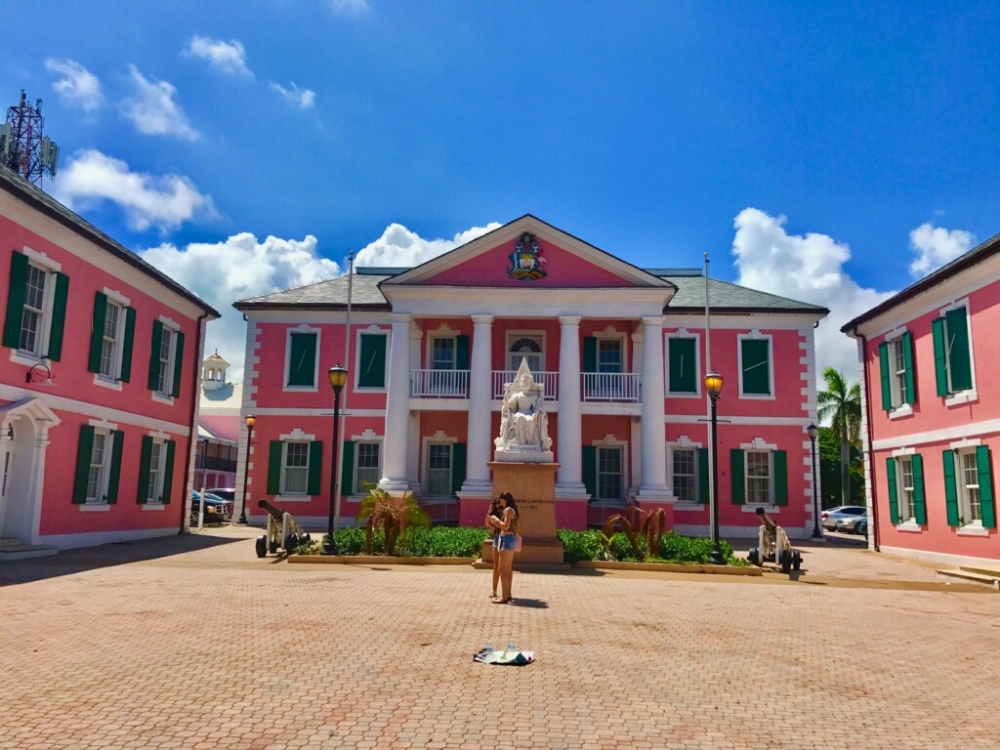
x: 290, y: 289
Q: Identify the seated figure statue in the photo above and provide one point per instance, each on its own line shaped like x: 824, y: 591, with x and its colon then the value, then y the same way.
x: 524, y: 430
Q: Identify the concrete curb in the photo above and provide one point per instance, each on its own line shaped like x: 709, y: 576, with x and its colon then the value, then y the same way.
x: 728, y: 570
x: 376, y: 560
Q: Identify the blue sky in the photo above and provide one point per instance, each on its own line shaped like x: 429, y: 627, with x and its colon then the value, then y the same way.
x: 245, y: 147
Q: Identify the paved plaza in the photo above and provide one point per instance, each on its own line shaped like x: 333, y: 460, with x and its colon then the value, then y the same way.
x: 194, y: 643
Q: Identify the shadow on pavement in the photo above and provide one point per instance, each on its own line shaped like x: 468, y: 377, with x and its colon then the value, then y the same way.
x: 71, y: 561
x: 529, y: 603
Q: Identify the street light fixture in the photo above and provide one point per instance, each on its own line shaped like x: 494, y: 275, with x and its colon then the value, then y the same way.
x: 713, y: 385
x: 250, y: 421
x: 813, y: 431
x: 338, y: 377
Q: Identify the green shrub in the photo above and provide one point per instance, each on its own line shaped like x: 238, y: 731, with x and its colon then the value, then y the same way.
x: 580, y: 545
x: 674, y: 548
x: 439, y: 541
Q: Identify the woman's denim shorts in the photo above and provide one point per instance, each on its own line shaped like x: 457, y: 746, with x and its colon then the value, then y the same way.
x: 507, y: 542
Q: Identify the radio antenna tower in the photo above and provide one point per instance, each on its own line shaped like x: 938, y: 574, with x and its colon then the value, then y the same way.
x: 23, y: 148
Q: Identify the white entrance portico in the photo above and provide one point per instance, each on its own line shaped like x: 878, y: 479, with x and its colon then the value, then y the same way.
x: 24, y: 436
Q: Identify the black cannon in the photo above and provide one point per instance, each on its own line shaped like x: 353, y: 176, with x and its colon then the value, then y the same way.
x: 283, y: 531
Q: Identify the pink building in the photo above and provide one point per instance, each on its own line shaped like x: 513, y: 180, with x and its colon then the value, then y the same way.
x: 218, y: 426
x: 620, y: 350
x: 932, y: 421
x: 99, y: 380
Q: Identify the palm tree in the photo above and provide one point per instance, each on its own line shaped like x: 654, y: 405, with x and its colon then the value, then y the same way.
x: 842, y: 407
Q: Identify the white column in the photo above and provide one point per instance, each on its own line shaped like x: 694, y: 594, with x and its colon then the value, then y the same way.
x: 654, y: 456
x: 397, y: 407
x: 569, y: 482
x: 477, y: 473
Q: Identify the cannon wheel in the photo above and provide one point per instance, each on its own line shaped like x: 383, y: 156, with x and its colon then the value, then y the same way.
x: 272, y: 547
x: 785, y: 560
x: 291, y: 542
x: 754, y: 556
x: 796, y: 560
x: 261, y: 546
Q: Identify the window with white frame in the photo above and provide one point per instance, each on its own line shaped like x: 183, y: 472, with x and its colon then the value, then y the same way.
x: 33, y: 318
x: 907, y: 493
x: 100, y: 459
x: 685, y: 474
x: 610, y: 358
x: 758, y: 472
x: 295, y: 468
x: 442, y: 353
x: 154, y: 490
x: 111, y: 340
x: 899, y: 393
x: 969, y: 498
x: 439, y: 456
x: 526, y: 347
x: 366, y: 464
x: 165, y: 362
x: 610, y: 479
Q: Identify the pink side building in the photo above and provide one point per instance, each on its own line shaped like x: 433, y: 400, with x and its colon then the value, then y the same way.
x: 621, y: 352
x: 931, y: 418
x: 99, y: 379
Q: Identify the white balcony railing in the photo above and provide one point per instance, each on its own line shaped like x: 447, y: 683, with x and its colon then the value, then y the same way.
x: 439, y: 383
x: 610, y: 386
x: 549, y: 379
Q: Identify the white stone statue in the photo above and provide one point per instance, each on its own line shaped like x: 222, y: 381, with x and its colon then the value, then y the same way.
x: 524, y: 427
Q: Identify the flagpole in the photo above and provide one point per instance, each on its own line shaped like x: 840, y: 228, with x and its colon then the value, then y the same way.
x: 343, y: 413
x: 708, y: 402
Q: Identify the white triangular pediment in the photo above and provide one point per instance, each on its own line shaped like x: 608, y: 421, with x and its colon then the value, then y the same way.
x: 32, y: 407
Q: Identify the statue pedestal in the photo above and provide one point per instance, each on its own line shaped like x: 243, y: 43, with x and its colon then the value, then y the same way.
x: 534, y: 489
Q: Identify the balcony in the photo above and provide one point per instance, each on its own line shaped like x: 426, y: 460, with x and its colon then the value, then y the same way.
x: 549, y: 379
x: 611, y: 386
x: 214, y: 464
x: 439, y: 383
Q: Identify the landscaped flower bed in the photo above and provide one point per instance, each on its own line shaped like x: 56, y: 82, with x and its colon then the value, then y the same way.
x: 593, y: 545
x: 440, y: 541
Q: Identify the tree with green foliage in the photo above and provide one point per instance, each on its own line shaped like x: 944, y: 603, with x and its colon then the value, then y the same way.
x: 840, y: 405
x: 830, y: 480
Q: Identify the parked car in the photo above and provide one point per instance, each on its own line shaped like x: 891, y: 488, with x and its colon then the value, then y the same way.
x: 853, y: 524
x: 830, y: 516
x: 217, y: 509
x: 225, y: 493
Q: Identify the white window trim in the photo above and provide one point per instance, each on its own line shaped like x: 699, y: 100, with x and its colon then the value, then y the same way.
x: 285, y: 388
x: 377, y: 440
x: 161, y: 439
x: 760, y: 445
x: 910, y: 524
x: 513, y: 335
x: 116, y: 296
x: 42, y: 259
x: 49, y: 268
x: 756, y: 335
x: 372, y: 330
x: 684, y: 443
x: 107, y: 430
x: 114, y: 382
x: 972, y: 394
x: 159, y: 396
x: 444, y: 331
x: 904, y: 409
x: 610, y: 441
x: 284, y: 465
x: 611, y: 334
x: 964, y: 504
x: 683, y: 333
x: 437, y: 437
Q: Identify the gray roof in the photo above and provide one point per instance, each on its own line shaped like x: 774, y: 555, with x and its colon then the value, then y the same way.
x: 46, y: 204
x: 332, y: 295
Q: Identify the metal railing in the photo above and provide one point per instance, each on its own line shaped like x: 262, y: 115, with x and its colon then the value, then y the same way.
x: 549, y: 379
x: 610, y: 386
x: 215, y: 464
x: 439, y: 383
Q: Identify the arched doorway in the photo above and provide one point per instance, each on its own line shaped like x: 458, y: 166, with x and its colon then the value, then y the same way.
x: 17, y: 504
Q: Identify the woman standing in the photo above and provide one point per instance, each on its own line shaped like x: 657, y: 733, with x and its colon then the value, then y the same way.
x: 508, y: 527
x: 493, y: 524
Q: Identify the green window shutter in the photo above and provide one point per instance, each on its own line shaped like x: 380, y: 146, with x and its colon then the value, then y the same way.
x: 589, y: 455
x: 126, y: 373
x: 780, y: 459
x: 302, y: 359
x: 756, y: 369
x: 681, y: 355
x: 315, y: 468
x: 703, y: 476
x: 883, y: 363
x: 168, y: 472
x: 919, y: 497
x: 911, y: 390
x: 940, y: 358
x: 458, y: 457
x: 347, y: 469
x: 959, y: 363
x: 58, y: 317
x: 890, y: 475
x: 371, y: 362
x: 117, y: 444
x: 97, y: 331
x: 986, y: 499
x: 590, y: 354
x: 738, y: 480
x: 83, y: 453
x: 16, y: 291
x: 274, y: 467
x: 950, y: 488
x: 154, y: 356
x: 178, y: 362
x: 461, y: 352
x: 145, y: 455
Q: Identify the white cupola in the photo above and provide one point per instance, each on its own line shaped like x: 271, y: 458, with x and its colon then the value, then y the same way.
x: 213, y: 372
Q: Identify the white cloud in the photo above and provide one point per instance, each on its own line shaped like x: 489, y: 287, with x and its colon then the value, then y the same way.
x: 240, y: 267
x: 398, y: 246
x: 78, y: 86
x: 936, y: 246
x: 229, y: 57
x: 350, y: 7
x: 302, y: 98
x: 148, y: 200
x: 153, y: 110
x: 808, y: 268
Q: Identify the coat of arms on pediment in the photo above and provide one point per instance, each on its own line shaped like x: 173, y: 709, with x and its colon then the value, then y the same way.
x: 526, y: 261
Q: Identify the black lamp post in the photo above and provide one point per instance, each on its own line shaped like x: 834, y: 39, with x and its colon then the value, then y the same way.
x: 338, y: 376
x: 813, y: 431
x: 250, y: 420
x: 713, y: 384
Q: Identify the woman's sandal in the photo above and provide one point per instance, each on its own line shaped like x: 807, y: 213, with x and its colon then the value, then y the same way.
x: 502, y: 601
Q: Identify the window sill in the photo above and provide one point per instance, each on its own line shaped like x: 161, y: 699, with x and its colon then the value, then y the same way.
x: 154, y: 506
x: 906, y: 410
x: 962, y: 397
x: 683, y: 394
x: 293, y: 498
x: 161, y: 399
x: 92, y: 507
x: 771, y: 510
x: 24, y: 358
x: 680, y: 506
x: 299, y: 389
x: 757, y: 396
x: 439, y: 500
x: 105, y: 382
x: 910, y: 526
x: 972, y: 529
